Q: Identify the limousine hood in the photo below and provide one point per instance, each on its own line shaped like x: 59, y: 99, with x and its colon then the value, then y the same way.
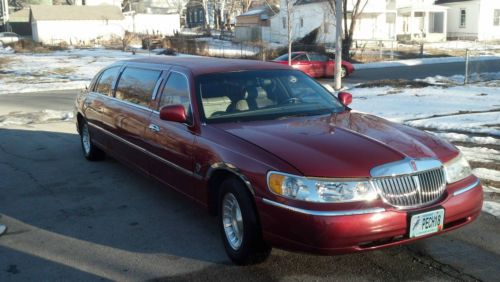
x: 340, y: 145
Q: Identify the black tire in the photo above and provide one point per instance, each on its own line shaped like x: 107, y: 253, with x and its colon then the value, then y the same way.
x: 90, y: 151
x: 252, y: 248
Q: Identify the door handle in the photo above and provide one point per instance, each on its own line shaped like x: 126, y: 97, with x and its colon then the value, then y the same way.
x: 154, y: 128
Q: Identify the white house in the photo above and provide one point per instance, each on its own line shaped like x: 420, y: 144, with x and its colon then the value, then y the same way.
x: 420, y: 20
x: 306, y: 16
x: 473, y: 19
x: 117, y: 3
x: 160, y: 24
x: 75, y: 24
x: 380, y: 20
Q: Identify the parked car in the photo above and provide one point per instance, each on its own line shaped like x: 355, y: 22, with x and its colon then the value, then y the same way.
x: 8, y: 37
x: 315, y: 64
x: 280, y: 160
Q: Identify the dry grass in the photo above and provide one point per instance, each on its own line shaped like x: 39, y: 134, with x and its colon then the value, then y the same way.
x: 62, y: 71
x: 5, y: 61
x: 396, y: 83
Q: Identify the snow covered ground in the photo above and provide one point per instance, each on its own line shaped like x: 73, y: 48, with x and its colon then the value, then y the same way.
x: 71, y: 69
x: 468, y: 116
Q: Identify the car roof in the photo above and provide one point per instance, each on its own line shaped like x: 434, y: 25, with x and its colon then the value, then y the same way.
x: 205, y: 65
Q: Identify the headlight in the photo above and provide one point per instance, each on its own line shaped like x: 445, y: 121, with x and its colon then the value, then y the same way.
x: 320, y: 190
x: 457, y: 169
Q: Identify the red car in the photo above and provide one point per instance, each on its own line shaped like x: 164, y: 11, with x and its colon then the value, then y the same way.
x: 314, y: 64
x: 276, y: 156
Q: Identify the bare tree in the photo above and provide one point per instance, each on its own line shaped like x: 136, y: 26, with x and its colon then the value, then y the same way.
x: 349, y: 14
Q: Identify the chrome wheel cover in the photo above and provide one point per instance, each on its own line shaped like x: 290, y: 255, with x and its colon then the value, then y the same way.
x: 86, y: 139
x: 232, y: 221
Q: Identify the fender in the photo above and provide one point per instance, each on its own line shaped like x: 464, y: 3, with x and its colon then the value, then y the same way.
x: 231, y: 168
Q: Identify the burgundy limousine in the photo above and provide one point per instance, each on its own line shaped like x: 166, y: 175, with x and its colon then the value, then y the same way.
x: 279, y: 159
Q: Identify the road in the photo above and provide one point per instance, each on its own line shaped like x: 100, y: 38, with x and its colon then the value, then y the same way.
x: 420, y: 71
x: 70, y: 219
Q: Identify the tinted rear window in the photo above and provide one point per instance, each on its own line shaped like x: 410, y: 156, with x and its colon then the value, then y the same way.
x: 137, y: 85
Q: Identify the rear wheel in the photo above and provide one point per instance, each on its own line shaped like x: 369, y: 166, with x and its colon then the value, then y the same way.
x: 90, y: 151
x: 239, y: 227
x: 343, y: 72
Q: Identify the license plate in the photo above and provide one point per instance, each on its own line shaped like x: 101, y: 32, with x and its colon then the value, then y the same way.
x: 426, y: 223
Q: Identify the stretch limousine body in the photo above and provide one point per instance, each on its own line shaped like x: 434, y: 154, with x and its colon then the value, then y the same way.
x: 280, y: 160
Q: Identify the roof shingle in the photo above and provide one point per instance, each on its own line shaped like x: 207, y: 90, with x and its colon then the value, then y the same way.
x: 78, y: 13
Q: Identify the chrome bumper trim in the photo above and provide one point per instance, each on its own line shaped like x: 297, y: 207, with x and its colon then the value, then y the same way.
x: 465, y: 189
x: 323, y: 213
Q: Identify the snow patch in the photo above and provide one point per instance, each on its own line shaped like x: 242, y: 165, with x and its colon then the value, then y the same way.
x: 402, y: 104
x: 480, y: 154
x: 475, y: 123
x: 489, y: 189
x: 458, y: 137
x: 492, y: 208
x: 21, y: 118
x: 485, y: 173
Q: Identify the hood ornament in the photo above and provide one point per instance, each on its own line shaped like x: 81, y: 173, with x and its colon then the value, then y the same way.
x: 413, y: 165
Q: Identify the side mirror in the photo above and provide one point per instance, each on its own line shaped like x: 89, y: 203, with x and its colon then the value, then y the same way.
x: 345, y: 98
x: 175, y: 113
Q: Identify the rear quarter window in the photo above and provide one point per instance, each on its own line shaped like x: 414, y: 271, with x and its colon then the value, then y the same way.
x: 136, y: 85
x: 105, y: 83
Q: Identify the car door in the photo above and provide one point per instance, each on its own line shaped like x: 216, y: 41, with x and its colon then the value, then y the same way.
x: 127, y: 116
x: 95, y: 102
x: 302, y: 63
x: 329, y: 67
x: 172, y: 142
x: 319, y: 62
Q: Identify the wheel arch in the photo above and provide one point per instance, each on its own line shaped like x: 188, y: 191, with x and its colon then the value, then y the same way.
x: 79, y: 120
x: 219, y: 172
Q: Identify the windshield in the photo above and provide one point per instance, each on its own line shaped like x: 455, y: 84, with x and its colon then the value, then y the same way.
x: 262, y: 95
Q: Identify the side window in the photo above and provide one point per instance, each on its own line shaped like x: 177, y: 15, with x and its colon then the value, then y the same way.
x: 105, y: 83
x: 318, y: 57
x: 301, y: 57
x: 137, y: 85
x: 323, y: 58
x: 463, y: 18
x: 176, y: 91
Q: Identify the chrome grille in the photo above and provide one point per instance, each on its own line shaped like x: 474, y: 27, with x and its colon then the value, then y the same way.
x: 412, y: 190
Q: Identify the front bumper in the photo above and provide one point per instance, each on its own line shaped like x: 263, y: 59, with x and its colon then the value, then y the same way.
x: 355, y: 230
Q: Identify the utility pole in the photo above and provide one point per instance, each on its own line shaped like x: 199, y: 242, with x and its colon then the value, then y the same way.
x: 338, y: 44
x: 289, y: 5
x: 4, y: 14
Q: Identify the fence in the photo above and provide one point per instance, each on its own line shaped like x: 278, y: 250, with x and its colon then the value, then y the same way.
x: 207, y: 46
x: 478, y: 65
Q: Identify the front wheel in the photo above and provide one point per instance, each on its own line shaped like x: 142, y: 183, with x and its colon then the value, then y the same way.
x: 240, y: 230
